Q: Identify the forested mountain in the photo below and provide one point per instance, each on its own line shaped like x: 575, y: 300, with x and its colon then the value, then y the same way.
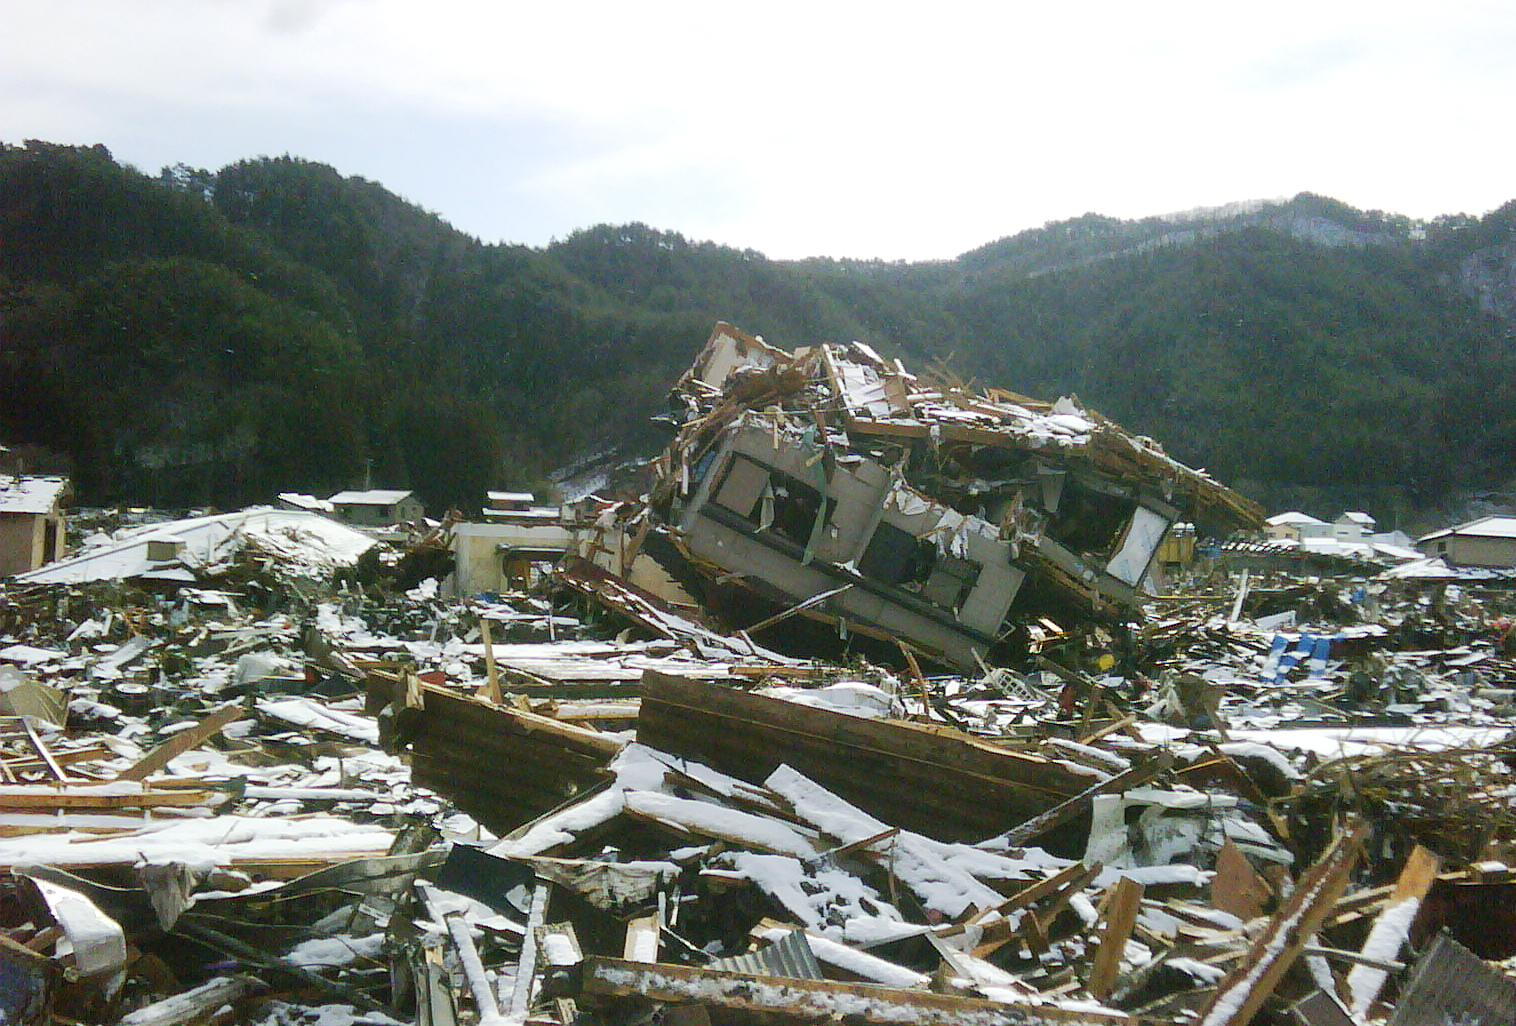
x: 215, y: 337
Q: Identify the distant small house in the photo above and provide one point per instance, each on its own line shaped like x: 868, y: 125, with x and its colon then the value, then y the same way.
x: 31, y: 521
x: 505, y: 502
x: 303, y: 502
x: 1488, y: 541
x: 1352, y: 527
x: 377, y: 507
x: 517, y: 508
x: 1290, y: 526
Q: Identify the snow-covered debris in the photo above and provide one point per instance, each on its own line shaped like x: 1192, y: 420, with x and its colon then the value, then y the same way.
x: 304, y: 545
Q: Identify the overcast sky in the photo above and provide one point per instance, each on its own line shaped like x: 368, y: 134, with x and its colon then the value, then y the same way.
x: 901, y: 131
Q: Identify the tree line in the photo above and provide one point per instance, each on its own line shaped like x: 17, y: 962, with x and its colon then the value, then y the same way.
x: 212, y: 338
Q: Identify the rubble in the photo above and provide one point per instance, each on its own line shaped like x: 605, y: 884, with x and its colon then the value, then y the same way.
x: 277, y: 775
x: 914, y: 507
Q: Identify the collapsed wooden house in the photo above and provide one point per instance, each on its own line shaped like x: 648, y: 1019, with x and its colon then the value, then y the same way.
x: 912, y: 508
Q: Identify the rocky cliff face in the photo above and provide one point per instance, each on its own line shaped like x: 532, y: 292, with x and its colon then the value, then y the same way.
x: 1489, y: 276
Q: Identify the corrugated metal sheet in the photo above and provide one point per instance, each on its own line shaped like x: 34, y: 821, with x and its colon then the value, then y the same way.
x: 790, y: 956
x: 1450, y: 984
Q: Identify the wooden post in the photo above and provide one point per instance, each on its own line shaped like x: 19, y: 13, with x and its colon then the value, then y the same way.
x: 491, y: 689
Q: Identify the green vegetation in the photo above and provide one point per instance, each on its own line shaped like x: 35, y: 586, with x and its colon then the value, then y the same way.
x: 215, y: 337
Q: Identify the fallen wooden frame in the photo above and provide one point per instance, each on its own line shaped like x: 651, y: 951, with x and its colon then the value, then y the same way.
x: 819, y: 1000
x: 883, y: 767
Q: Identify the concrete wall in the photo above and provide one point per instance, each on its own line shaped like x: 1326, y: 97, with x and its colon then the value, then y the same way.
x: 949, y: 614
x: 480, y: 551
x: 1465, y: 550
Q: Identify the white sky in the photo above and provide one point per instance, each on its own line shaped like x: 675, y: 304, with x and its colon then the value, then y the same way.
x: 912, y: 131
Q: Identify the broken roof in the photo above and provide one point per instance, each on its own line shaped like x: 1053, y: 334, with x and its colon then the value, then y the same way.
x: 27, y: 494
x: 303, y: 501
x: 877, y: 400
x: 304, y: 541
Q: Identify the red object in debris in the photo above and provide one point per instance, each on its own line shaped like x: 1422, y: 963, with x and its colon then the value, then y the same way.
x: 436, y: 678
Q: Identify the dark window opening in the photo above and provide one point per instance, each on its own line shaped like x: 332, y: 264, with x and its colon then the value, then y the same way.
x: 951, y: 581
x: 1088, y: 521
x: 897, y: 557
x: 796, y: 507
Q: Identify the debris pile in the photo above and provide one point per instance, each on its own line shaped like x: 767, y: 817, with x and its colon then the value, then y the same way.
x: 912, y: 507
x: 259, y: 768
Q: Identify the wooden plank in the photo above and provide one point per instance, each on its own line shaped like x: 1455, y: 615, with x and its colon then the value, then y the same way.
x: 1120, y: 917
x: 1236, y: 888
x: 42, y: 750
x: 94, y: 753
x: 1060, y: 887
x: 1239, y: 997
x: 194, y: 1005
x: 939, y: 747
x: 1059, y: 814
x: 269, y: 868
x: 799, y: 607
x: 1392, y: 927
x: 443, y: 708
x: 526, y: 966
x: 961, y: 809
x: 45, y: 796
x: 1077, y: 874
x: 183, y: 741
x: 490, y: 692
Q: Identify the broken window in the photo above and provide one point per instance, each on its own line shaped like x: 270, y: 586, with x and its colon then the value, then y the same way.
x: 951, y: 581
x: 897, y: 557
x: 772, y: 499
x: 797, y: 507
x: 1088, y: 520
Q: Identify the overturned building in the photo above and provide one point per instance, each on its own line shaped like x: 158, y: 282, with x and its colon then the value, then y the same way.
x: 911, y: 508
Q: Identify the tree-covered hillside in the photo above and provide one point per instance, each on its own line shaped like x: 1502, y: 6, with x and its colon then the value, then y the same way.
x: 215, y: 337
